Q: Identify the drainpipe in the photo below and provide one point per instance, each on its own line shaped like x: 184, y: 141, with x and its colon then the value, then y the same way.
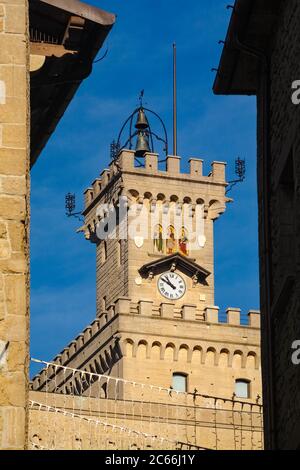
x: 271, y: 442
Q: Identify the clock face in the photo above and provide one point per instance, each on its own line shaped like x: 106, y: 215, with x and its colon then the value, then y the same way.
x: 171, y: 286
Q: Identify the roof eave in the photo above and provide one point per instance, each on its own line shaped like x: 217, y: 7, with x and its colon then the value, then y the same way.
x: 252, y: 23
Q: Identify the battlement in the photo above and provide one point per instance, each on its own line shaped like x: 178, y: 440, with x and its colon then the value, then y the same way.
x: 126, y: 163
x: 146, y: 308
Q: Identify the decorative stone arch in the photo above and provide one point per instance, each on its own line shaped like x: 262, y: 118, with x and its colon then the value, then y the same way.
x: 200, y: 201
x: 108, y: 358
x: 148, y: 196
x: 239, y: 353
x: 103, y: 364
x: 223, y: 352
x: 161, y: 197
x: 182, y: 347
x: 133, y: 194
x: 215, y: 209
x: 254, y: 355
x: 174, y: 198
x: 145, y: 343
x: 112, y: 353
x: 125, y: 348
x: 169, y: 346
x: 156, y: 344
x: 212, y: 350
x: 187, y: 200
x: 197, y: 349
x: 98, y: 367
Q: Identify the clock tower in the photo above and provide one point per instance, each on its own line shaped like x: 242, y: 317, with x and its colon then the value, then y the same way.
x: 153, y: 228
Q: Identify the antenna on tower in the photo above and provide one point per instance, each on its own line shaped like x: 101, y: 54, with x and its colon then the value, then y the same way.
x: 141, y: 98
x: 174, y: 99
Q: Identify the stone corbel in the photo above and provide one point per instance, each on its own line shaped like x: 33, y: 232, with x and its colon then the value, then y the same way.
x: 173, y: 267
x: 195, y: 279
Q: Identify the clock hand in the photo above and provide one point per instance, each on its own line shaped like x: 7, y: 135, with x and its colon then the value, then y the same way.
x: 171, y: 284
x: 166, y: 280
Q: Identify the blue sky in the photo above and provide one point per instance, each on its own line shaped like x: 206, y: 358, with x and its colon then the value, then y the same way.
x: 209, y: 127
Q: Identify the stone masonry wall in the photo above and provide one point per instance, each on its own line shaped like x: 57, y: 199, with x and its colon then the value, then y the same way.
x: 285, y: 230
x: 14, y: 218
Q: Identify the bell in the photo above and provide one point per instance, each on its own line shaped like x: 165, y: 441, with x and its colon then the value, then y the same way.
x: 142, y: 144
x: 141, y: 122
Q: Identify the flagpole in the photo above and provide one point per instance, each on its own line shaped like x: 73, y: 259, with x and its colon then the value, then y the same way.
x: 174, y: 99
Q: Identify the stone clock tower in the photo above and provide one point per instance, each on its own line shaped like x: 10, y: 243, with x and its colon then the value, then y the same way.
x: 168, y: 237
x: 152, y: 226
x: 155, y: 265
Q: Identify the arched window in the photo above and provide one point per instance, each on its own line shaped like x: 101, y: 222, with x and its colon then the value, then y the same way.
x: 179, y: 382
x: 242, y: 388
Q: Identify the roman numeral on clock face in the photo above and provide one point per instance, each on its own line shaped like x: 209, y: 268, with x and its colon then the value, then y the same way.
x: 171, y: 285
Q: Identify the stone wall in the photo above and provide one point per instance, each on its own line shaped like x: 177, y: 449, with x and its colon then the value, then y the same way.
x: 143, y: 344
x: 14, y: 218
x: 158, y: 422
x: 283, y: 393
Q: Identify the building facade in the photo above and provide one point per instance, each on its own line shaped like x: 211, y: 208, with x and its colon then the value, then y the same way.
x: 261, y: 58
x: 157, y: 323
x: 39, y: 40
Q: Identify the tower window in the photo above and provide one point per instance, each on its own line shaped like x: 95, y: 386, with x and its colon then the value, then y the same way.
x: 242, y: 388
x: 179, y: 382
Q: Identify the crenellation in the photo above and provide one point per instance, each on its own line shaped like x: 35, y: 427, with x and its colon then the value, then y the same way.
x: 254, y: 318
x: 95, y: 326
x: 105, y: 177
x: 233, y: 316
x: 88, y: 197
x: 79, y: 341
x: 58, y: 359
x: 173, y: 165
x: 125, y: 164
x: 103, y: 319
x: 122, y: 306
x: 97, y: 187
x: 65, y: 355
x: 196, y: 167
x: 167, y: 309
x: 211, y: 314
x: 72, y: 348
x: 151, y: 162
x: 145, y: 308
x: 189, y: 312
x: 218, y: 172
x: 126, y: 160
x: 87, y: 334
